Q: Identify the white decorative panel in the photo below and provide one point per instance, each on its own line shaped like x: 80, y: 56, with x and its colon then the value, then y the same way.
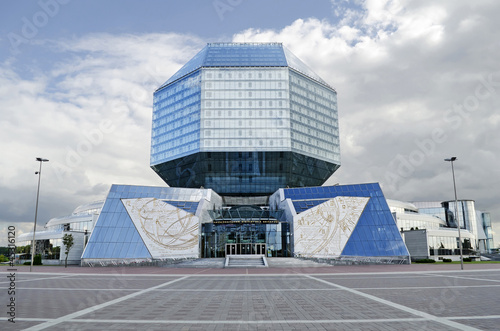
x: 323, y: 230
x: 167, y: 231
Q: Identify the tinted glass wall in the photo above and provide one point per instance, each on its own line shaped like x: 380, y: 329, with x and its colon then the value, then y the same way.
x: 245, y: 173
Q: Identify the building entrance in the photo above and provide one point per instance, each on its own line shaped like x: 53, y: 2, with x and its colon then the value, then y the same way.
x: 245, y: 249
x: 219, y: 240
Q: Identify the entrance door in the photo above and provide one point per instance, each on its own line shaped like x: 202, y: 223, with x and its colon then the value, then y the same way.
x: 260, y: 249
x: 231, y: 249
x: 245, y: 249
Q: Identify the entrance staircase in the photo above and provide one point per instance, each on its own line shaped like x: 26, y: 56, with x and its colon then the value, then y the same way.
x: 245, y: 261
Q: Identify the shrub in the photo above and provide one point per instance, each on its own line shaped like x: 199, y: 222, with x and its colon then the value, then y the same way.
x: 37, y: 260
x: 467, y: 259
x: 425, y: 261
x: 446, y: 260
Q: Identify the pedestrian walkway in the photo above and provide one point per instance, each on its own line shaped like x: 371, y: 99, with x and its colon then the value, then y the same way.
x: 295, y: 299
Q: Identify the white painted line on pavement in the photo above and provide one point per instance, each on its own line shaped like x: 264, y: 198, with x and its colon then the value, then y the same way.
x: 471, y: 278
x: 425, y: 315
x: 69, y: 317
x: 35, y: 279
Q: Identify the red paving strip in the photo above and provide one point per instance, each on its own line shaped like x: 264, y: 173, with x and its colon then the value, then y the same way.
x: 252, y: 271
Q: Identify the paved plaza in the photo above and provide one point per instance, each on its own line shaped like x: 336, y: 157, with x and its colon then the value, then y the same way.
x: 287, y: 296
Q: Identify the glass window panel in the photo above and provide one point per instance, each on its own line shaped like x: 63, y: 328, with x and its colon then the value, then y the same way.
x: 130, y: 250
x: 102, y: 235
x: 136, y: 237
x: 88, y: 252
x: 115, y: 234
x: 98, y: 250
x: 137, y: 250
x: 104, y: 249
x: 118, y: 251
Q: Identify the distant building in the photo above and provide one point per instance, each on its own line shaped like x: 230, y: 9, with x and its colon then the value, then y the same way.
x: 49, y: 240
x: 430, y: 228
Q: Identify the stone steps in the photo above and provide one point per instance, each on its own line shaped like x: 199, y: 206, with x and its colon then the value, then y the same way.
x: 245, y: 261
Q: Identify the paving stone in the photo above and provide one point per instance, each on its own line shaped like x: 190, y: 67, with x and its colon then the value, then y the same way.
x: 288, y: 301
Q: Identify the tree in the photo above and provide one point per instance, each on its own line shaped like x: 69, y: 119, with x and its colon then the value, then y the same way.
x: 23, y: 249
x: 68, y: 243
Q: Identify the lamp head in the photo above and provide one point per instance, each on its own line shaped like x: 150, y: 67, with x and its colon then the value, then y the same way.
x: 39, y: 159
x: 451, y: 159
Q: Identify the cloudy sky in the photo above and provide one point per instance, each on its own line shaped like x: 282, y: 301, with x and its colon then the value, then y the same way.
x: 417, y: 82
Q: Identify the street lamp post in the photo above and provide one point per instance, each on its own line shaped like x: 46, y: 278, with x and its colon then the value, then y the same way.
x: 454, y: 158
x: 39, y: 173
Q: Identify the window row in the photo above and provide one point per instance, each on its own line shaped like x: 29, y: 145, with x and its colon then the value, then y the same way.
x: 176, y: 121
x: 235, y: 85
x: 321, y: 132
x: 268, y: 101
x: 326, y: 100
x: 244, y: 133
x: 305, y: 102
x: 162, y: 110
x: 248, y: 99
x: 312, y: 115
x: 246, y: 113
x: 331, y: 155
x: 175, y: 129
x: 177, y: 146
x: 310, y: 86
x: 244, y: 74
x: 320, y: 143
x: 406, y: 225
x: 175, y: 153
x: 269, y: 122
x: 246, y: 142
x: 329, y: 112
x: 175, y: 143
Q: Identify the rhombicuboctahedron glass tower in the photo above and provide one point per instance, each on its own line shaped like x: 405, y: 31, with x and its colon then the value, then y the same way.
x: 245, y: 119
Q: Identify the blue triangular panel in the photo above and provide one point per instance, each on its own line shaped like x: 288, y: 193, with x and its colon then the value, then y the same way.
x: 376, y: 233
x: 115, y: 236
x: 303, y: 205
x: 187, y: 206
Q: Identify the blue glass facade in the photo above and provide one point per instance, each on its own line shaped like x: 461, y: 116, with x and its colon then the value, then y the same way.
x: 116, y: 237
x: 176, y: 120
x: 265, y: 118
x: 375, y: 232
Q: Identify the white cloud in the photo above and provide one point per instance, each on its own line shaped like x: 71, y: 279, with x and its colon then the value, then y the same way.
x: 63, y: 113
x: 399, y: 68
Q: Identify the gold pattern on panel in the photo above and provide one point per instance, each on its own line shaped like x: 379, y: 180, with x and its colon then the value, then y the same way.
x: 324, y: 229
x: 166, y: 225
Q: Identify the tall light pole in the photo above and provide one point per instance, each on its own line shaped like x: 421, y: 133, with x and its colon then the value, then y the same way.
x: 454, y: 158
x: 33, y: 243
